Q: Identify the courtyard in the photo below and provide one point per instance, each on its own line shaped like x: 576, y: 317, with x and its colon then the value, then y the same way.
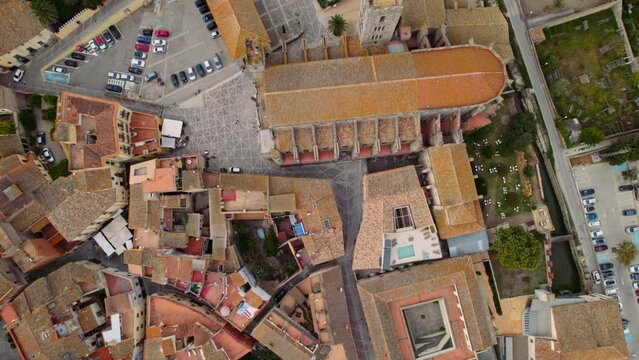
x: 589, y: 74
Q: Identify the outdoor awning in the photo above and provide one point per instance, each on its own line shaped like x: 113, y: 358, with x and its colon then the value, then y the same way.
x: 172, y: 128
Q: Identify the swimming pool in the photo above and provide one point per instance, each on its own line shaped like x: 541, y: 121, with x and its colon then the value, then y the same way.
x: 404, y: 252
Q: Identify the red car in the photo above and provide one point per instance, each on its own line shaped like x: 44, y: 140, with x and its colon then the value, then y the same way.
x: 600, y: 248
x: 162, y: 33
x: 637, y: 292
x: 142, y: 47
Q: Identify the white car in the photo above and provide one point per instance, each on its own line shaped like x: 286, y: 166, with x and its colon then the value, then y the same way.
x: 590, y: 201
x: 159, y: 42
x: 235, y: 170
x: 208, y: 67
x: 159, y: 50
x: 611, y: 291
x: 215, y: 34
x: 596, y: 277
x: 59, y: 69
x: 596, y: 233
x: 635, y: 285
x: 191, y: 73
x: 93, y: 46
x: 138, y: 63
x: 112, y: 75
x: 18, y: 75
x: 594, y: 224
x: 127, y: 77
x: 634, y: 269
x: 48, y: 155
x: 217, y: 61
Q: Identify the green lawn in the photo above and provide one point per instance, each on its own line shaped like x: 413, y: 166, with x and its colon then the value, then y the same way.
x: 570, y: 52
x: 512, y: 283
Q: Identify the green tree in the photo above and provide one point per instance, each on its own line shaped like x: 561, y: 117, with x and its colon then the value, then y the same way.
x: 50, y: 99
x: 521, y: 131
x: 482, y: 188
x: 631, y: 175
x: 246, y: 240
x: 336, y: 25
x: 626, y: 252
x: 488, y: 151
x: 625, y: 149
x: 559, y: 87
x: 27, y: 120
x: 271, y: 244
x: 7, y: 127
x: 529, y: 171
x: 70, y: 2
x: 517, y: 249
x: 49, y: 114
x: 34, y: 100
x: 45, y: 11
x: 512, y: 199
x: 91, y: 4
x: 61, y: 169
x: 591, y: 136
x: 257, y: 266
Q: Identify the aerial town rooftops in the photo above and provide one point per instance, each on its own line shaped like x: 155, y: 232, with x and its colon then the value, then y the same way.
x: 19, y: 25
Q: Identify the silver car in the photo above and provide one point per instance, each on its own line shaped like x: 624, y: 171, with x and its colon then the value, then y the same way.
x: 138, y: 63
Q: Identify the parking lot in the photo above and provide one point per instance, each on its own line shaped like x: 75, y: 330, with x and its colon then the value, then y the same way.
x: 189, y: 43
x: 610, y: 203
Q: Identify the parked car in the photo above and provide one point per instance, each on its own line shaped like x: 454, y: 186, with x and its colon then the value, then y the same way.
x: 159, y: 42
x: 78, y: 56
x: 608, y: 274
x: 217, y: 61
x: 151, y: 75
x: 127, y: 77
x: 162, y: 33
x: 594, y: 224
x: 142, y: 47
x: 114, y: 88
x: 632, y: 228
x: 207, y: 17
x: 48, y: 155
x: 235, y: 170
x: 200, y: 70
x: 596, y: 277
x: 199, y: 3
x: 591, y: 216
x: 135, y: 70
x: 626, y: 188
x: 207, y: 66
x: 191, y: 73
x: 600, y: 248
x: 598, y: 241
x: 139, y: 55
x: 611, y: 291
x: 610, y: 282
x: 590, y: 201
x: 71, y: 63
x: 147, y: 31
x: 606, y: 266
x: 159, y: 49
x: 634, y: 277
x: 183, y: 77
x: 279, y: 295
x: 93, y: 47
x: 143, y: 39
x: 596, y: 233
x: 634, y: 269
x: 108, y: 38
x: 589, y: 209
x: 59, y: 69
x: 101, y: 44
x: 215, y: 34
x: 587, y: 192
x: 636, y: 292
x: 138, y: 63
x: 629, y: 212
x: 115, y: 32
x: 211, y: 26
x: 635, y: 285
x: 18, y: 75
x: 112, y: 75
x: 204, y: 9
x: 41, y: 138
x: 174, y: 81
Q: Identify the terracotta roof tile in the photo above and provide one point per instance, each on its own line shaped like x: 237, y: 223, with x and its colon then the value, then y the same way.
x: 238, y: 20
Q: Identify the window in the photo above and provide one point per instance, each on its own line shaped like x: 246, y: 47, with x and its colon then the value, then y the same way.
x: 403, y: 218
x: 327, y: 224
x: 382, y: 19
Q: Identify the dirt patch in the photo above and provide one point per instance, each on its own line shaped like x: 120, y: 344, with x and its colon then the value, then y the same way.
x: 582, y: 160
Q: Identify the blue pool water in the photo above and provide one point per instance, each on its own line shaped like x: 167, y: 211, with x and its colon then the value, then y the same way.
x: 405, y: 252
x: 620, y: 168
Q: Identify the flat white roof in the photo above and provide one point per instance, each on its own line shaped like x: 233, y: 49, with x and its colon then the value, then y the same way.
x: 172, y: 128
x: 104, y: 244
x: 168, y: 142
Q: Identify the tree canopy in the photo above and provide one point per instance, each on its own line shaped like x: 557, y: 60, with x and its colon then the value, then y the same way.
x: 626, y: 252
x: 517, y: 248
x: 336, y: 25
x: 625, y: 149
x: 521, y: 132
x: 591, y: 136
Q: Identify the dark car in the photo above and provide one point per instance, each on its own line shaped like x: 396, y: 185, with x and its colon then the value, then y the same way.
x: 204, y: 9
x: 625, y: 188
x: 71, y: 63
x: 108, y: 38
x: 211, y: 26
x: 606, y: 266
x: 200, y: 70
x: 629, y: 212
x: 135, y: 70
x: 144, y: 39
x: 587, y: 192
x: 199, y: 3
x: 114, y: 88
x: 207, y: 17
x: 634, y: 277
x: 174, y: 81
x: 78, y: 56
x: 41, y: 138
x: 115, y: 32
x: 600, y: 248
x: 589, y: 209
x: 147, y: 31
x: 183, y: 77
x: 279, y: 295
x: 608, y: 274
